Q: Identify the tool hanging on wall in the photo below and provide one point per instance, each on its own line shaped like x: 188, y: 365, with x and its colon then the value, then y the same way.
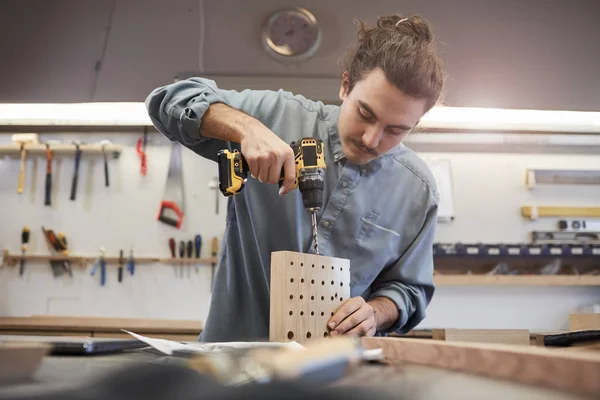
x: 105, y: 143
x: 131, y: 263
x: 173, y: 255
x: 198, y: 247
x: 58, y: 244
x: 120, y: 269
x: 190, y: 253
x: 23, y: 139
x: 100, y: 262
x: 48, y: 185
x: 181, y: 256
x: 172, y: 202
x: 24, y: 243
x: 140, y: 147
x: 75, y: 171
x: 215, y: 248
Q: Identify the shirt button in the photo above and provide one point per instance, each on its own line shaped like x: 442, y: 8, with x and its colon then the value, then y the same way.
x: 344, y: 184
x: 364, y: 171
x: 326, y: 224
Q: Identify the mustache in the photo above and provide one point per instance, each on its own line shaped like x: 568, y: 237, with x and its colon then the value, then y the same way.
x: 364, y: 148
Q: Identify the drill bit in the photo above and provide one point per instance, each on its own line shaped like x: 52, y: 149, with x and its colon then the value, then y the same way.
x: 314, y: 229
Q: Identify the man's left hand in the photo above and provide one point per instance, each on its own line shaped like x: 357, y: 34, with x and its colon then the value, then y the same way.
x: 354, y: 317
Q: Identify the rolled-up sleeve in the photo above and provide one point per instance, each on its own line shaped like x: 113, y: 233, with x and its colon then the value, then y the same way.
x: 409, y: 281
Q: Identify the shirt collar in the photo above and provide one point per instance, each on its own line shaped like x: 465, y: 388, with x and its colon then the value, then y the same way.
x: 339, y: 156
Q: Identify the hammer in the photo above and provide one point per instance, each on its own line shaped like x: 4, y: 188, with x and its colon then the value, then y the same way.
x: 22, y: 139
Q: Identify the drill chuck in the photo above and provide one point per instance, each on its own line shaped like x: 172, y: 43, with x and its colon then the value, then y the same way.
x: 311, y: 186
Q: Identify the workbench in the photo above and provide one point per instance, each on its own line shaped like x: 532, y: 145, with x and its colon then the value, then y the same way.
x: 402, y: 380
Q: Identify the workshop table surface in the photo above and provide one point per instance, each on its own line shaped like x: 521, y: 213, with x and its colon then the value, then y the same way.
x: 404, y: 381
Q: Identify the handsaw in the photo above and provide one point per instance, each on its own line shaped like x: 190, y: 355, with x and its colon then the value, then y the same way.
x: 171, y: 206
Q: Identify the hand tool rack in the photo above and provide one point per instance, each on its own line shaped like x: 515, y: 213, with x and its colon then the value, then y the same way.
x: 40, y: 149
x: 12, y: 260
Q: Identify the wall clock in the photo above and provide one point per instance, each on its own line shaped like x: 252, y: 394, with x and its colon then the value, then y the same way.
x: 291, y: 34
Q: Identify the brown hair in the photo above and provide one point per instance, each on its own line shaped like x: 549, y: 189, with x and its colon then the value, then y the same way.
x: 404, y: 49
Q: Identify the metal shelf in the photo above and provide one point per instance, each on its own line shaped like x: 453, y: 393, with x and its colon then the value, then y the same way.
x: 518, y: 280
x: 515, y: 250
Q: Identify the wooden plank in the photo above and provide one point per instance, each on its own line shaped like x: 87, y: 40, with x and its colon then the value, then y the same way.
x: 154, y: 335
x: 45, y: 333
x: 584, y: 322
x: 576, y: 372
x: 78, y: 324
x: 505, y: 336
x: 528, y: 280
x: 19, y: 361
x: 306, y: 290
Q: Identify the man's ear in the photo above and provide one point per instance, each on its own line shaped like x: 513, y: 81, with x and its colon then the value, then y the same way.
x: 344, y: 86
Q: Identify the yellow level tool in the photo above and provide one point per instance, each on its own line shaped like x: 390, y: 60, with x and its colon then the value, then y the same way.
x: 534, y: 212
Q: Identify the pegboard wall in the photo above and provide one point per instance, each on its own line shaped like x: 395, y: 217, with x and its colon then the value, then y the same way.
x: 306, y: 290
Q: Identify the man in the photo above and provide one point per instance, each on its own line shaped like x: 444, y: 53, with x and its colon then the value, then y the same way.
x: 380, y: 199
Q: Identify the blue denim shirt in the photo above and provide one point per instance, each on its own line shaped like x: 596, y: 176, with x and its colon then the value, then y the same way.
x: 381, y: 215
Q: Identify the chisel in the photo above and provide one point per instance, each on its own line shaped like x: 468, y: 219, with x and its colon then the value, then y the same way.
x: 76, y: 171
x: 198, y: 246
x: 48, y: 187
x: 172, y: 247
x: 215, y: 245
x: 24, y: 242
x: 105, y: 143
x: 120, y: 270
x: 181, y: 254
x: 190, y: 253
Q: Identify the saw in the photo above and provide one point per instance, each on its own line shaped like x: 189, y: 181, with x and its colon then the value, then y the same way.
x: 171, y: 206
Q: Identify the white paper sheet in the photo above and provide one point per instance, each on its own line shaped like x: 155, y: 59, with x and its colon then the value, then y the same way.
x: 169, y: 346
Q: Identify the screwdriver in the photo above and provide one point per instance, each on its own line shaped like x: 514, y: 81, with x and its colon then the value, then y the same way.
x: 198, y: 244
x: 121, y: 266
x: 190, y: 253
x: 24, y: 241
x: 172, y: 247
x: 215, y: 245
x: 181, y: 254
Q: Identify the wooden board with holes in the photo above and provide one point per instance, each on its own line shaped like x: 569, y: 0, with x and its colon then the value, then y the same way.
x: 506, y: 336
x: 306, y: 290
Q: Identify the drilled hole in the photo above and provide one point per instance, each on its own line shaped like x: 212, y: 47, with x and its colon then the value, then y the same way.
x: 308, y: 335
x: 290, y: 335
x: 332, y: 283
x: 322, y: 267
x: 322, y: 313
x: 341, y: 299
x: 322, y: 282
x: 312, y: 281
x: 302, y: 280
x: 332, y: 314
x: 336, y: 295
x: 312, y: 313
x: 302, y: 264
x: 313, y: 265
x: 332, y: 298
x: 301, y: 313
x: 341, y: 283
x: 291, y: 263
x: 292, y: 280
x: 325, y: 334
x: 341, y: 269
x: 322, y: 298
x: 291, y: 296
x: 312, y: 297
x: 291, y: 313
x: 301, y: 297
x: 332, y: 267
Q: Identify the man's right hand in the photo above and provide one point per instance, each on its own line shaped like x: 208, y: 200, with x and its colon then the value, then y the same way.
x: 266, y: 154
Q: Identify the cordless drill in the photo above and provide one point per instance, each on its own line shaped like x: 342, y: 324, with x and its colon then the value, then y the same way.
x: 310, y: 173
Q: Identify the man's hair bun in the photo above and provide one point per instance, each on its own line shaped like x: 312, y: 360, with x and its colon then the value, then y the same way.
x: 414, y: 26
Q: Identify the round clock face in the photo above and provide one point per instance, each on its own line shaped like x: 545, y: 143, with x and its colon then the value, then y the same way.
x: 292, y: 34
